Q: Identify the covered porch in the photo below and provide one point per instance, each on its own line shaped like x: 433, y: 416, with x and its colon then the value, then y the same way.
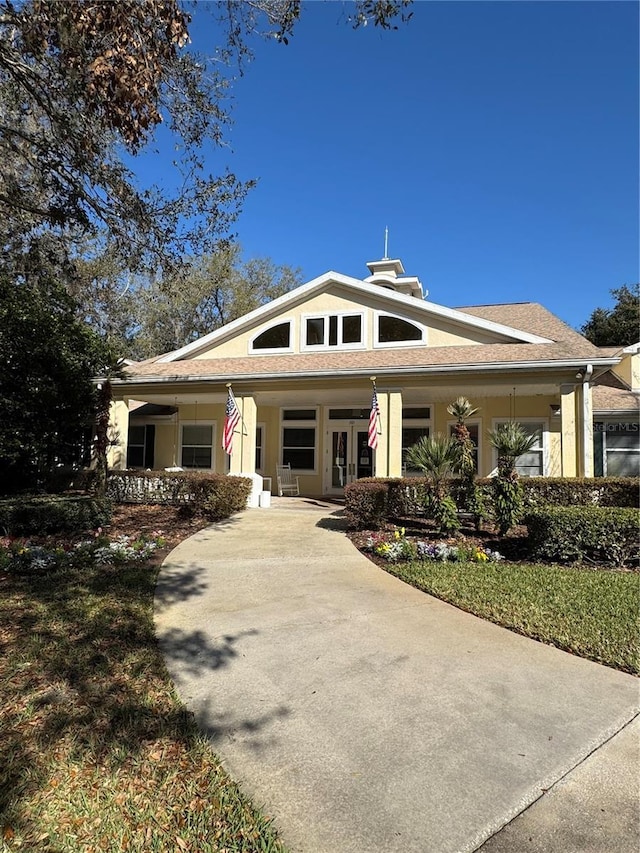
x: 319, y: 425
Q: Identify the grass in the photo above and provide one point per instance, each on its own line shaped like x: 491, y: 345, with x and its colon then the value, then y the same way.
x: 594, y: 614
x: 98, y: 754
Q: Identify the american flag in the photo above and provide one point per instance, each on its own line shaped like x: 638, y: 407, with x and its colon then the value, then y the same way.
x: 231, y: 420
x: 373, y: 421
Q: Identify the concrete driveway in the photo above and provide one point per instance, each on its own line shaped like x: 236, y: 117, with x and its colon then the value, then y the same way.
x: 368, y: 717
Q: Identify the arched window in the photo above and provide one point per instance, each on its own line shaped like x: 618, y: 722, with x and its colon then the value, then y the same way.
x: 395, y: 330
x: 277, y: 337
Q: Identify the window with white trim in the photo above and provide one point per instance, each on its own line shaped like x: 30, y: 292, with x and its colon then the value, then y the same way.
x: 299, y: 439
x: 533, y: 463
x: 275, y: 338
x: 617, y: 448
x: 416, y: 424
x: 391, y: 330
x: 340, y: 331
x: 196, y: 445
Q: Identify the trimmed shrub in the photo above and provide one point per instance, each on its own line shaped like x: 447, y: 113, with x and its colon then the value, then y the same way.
x: 594, y: 491
x: 44, y: 514
x: 568, y: 534
x: 214, y: 496
x: 366, y: 504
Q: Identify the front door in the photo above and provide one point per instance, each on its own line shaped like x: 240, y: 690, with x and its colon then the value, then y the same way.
x: 348, y: 456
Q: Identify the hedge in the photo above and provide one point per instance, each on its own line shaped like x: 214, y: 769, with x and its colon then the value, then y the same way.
x: 405, y: 497
x: 594, y: 491
x: 215, y: 496
x: 568, y: 534
x: 45, y: 514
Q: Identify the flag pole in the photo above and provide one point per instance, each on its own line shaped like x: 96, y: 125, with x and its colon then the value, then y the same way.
x: 375, y: 391
x: 235, y: 403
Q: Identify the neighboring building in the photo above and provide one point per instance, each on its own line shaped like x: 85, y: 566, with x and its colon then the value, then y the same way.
x: 616, y: 425
x: 301, y: 369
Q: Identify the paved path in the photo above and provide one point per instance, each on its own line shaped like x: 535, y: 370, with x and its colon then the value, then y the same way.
x: 368, y: 717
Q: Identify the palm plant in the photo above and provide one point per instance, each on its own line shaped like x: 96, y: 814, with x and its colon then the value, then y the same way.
x: 461, y: 409
x: 438, y: 457
x: 511, y: 441
x: 468, y: 495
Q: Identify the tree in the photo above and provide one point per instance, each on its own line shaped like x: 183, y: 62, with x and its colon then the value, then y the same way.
x: 81, y: 83
x: 47, y: 359
x: 214, y: 291
x: 618, y: 326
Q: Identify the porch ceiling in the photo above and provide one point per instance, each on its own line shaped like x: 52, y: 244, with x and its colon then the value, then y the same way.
x: 360, y: 395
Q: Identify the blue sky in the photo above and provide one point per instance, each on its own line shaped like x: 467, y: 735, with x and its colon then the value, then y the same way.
x: 498, y: 141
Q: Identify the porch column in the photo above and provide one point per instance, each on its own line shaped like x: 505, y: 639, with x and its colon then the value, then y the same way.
x: 586, y: 418
x: 118, y: 434
x: 568, y: 430
x: 394, y: 448
x: 381, y: 467
x: 388, y: 456
x: 243, y: 457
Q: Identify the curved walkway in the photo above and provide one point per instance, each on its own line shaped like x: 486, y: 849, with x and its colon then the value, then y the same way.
x: 368, y: 717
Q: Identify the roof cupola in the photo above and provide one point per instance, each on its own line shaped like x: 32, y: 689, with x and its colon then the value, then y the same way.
x: 389, y: 273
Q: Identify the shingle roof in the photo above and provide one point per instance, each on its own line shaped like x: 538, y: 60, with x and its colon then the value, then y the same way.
x: 608, y: 399
x: 527, y: 316
x: 612, y: 395
x: 357, y: 360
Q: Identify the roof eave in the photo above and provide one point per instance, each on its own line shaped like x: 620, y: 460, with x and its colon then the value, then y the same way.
x: 405, y: 370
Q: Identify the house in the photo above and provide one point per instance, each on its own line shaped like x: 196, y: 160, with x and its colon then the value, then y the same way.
x: 301, y: 371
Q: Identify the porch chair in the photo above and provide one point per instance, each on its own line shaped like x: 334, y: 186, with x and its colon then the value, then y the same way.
x: 287, y: 482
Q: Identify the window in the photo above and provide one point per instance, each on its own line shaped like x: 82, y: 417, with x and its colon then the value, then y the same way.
x: 416, y: 424
x: 277, y: 337
x: 299, y: 439
x: 474, y: 435
x: 335, y: 330
x: 197, y: 446
x: 140, y: 446
x: 259, y: 446
x: 531, y: 464
x: 395, y: 330
x: 617, y: 451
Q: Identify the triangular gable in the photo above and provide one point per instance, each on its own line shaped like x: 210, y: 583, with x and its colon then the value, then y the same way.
x: 359, y: 289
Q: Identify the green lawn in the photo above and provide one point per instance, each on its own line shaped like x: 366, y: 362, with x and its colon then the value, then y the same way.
x: 594, y: 614
x: 97, y: 752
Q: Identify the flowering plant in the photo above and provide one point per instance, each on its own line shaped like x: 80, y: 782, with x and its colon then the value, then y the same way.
x: 21, y: 555
x: 395, y: 547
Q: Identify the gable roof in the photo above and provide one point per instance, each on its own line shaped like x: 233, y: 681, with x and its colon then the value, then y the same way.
x: 358, y: 288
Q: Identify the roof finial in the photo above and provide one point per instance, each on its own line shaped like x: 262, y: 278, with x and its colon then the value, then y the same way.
x: 386, y: 244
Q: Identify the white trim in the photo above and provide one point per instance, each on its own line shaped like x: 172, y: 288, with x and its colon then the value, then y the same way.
x: 213, y: 425
x: 274, y: 350
x: 545, y: 440
x: 359, y: 287
x: 404, y: 370
x: 378, y: 344
x: 324, y: 316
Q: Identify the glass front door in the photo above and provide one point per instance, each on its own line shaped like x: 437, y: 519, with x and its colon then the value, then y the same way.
x: 350, y: 456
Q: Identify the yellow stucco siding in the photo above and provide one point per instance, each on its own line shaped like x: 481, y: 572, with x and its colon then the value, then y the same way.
x: 629, y: 370
x: 440, y: 331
